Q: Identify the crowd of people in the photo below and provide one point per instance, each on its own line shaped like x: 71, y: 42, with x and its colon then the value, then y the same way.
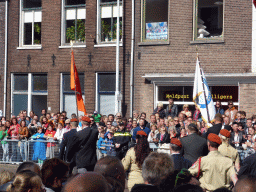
x: 171, y: 151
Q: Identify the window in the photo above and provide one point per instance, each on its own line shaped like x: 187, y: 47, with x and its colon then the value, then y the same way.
x: 73, y: 23
x: 106, y: 86
x: 29, y: 92
x: 208, y: 20
x: 31, y: 18
x: 108, y: 21
x: 68, y: 98
x: 155, y: 20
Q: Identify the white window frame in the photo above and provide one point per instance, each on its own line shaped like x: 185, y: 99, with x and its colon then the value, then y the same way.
x: 98, y: 32
x: 63, y: 29
x: 21, y: 27
x: 195, y: 18
x: 29, y: 92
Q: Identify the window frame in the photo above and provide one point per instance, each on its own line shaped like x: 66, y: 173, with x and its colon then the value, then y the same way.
x: 143, y: 27
x: 195, y: 18
x: 21, y: 27
x: 98, y: 30
x: 30, y: 93
x: 64, y: 7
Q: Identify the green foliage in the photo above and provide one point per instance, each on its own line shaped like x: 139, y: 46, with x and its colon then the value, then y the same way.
x: 79, y: 35
x: 37, y: 30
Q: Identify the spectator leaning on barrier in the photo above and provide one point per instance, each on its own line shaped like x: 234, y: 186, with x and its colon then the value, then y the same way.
x: 5, y: 144
x: 39, y: 147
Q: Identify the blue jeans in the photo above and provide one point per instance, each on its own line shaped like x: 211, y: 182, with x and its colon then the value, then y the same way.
x: 15, y: 156
x: 5, y: 148
x: 23, y: 150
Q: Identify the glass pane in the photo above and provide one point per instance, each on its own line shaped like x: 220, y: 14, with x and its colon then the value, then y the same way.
x: 107, y: 82
x: 20, y: 82
x: 107, y: 104
x: 108, y: 1
x: 32, y: 3
x: 75, y: 30
x: 75, y: 2
x: 156, y: 19
x: 28, y: 33
x: 70, y: 104
x: 39, y: 82
x: 20, y: 102
x: 210, y: 18
x: 37, y: 33
x: 39, y: 102
x: 66, y: 82
x: 166, y: 92
x: 224, y: 93
x: 106, y: 29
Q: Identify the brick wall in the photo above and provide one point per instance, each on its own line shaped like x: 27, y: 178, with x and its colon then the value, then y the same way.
x: 103, y: 58
x: 179, y: 56
x: 247, y: 99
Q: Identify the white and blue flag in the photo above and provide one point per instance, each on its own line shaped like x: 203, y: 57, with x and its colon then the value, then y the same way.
x: 202, y: 96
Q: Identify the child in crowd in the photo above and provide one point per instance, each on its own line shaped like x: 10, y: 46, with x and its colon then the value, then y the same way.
x: 102, y: 149
x: 39, y: 147
x: 5, y: 145
x: 49, y: 135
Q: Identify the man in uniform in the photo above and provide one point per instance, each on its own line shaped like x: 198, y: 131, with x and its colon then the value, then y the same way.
x: 179, y: 161
x: 227, y: 150
x: 216, y: 171
x: 68, y: 155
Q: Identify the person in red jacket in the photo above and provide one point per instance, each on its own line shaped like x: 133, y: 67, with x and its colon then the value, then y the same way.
x: 49, y: 135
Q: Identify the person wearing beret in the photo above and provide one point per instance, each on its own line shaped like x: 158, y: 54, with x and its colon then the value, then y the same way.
x: 84, y: 145
x: 69, y: 155
x: 227, y: 150
x: 214, y: 170
x: 179, y: 161
x: 193, y: 145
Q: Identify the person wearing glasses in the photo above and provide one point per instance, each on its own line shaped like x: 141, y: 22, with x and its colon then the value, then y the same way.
x: 231, y: 111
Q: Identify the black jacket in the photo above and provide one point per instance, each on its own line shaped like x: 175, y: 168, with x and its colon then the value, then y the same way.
x: 214, y: 129
x: 122, y: 138
x: 193, y: 147
x: 249, y: 166
x: 241, y: 139
x: 68, y: 154
x: 180, y: 162
x: 173, y: 112
x: 166, y: 138
x: 85, y: 145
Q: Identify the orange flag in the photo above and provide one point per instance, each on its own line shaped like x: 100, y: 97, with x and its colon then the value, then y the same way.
x: 75, y: 85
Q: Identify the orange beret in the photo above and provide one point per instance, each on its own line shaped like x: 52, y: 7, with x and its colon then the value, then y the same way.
x: 87, y: 119
x: 73, y: 120
x: 214, y: 138
x: 225, y: 133
x: 176, y: 141
x: 142, y: 133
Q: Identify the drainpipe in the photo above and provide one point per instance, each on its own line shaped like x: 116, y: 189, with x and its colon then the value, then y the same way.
x: 132, y: 61
x: 5, y: 55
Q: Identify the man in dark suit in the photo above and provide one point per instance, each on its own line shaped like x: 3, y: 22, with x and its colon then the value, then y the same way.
x: 216, y: 127
x: 193, y: 146
x: 179, y: 161
x: 85, y: 144
x: 68, y: 155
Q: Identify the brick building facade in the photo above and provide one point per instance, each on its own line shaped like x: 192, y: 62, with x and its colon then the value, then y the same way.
x: 164, y: 61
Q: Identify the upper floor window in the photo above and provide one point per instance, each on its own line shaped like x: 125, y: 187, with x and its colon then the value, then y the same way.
x: 208, y: 20
x: 107, y: 19
x: 31, y: 18
x: 155, y: 20
x: 73, y: 24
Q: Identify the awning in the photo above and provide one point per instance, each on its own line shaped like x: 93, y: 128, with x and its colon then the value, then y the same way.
x: 212, y: 79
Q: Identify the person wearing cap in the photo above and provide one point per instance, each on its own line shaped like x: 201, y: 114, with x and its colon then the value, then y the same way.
x: 214, y: 170
x: 231, y: 111
x: 193, y: 145
x: 227, y: 150
x: 160, y: 110
x: 66, y: 154
x: 179, y: 161
x: 84, y: 144
x: 121, y: 140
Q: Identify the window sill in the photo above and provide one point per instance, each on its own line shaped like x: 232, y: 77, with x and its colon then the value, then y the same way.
x: 154, y: 43
x: 30, y: 47
x: 108, y: 45
x: 207, y: 41
x: 69, y: 46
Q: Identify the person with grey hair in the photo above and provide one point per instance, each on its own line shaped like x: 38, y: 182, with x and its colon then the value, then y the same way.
x: 193, y: 145
x: 160, y: 110
x: 158, y: 171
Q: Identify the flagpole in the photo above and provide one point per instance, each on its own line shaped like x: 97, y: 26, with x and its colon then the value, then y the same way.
x: 71, y: 42
x: 203, y: 90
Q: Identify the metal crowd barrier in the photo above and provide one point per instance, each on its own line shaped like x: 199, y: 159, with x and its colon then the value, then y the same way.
x: 17, y: 151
